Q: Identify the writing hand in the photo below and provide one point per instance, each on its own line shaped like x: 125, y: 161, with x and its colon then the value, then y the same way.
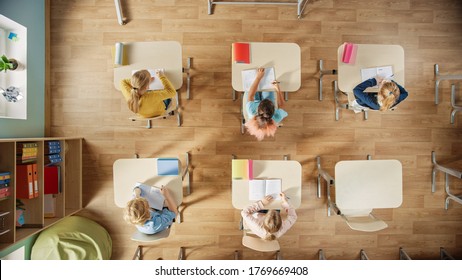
x: 137, y: 192
x: 284, y: 197
x: 266, y: 200
x: 160, y: 73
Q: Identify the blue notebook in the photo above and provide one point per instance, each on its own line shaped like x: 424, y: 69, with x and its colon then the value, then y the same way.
x: 167, y: 166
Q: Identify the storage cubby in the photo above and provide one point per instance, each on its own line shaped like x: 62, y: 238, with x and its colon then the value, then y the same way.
x: 67, y: 201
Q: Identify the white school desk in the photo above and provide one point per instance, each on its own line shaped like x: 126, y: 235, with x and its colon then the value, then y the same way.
x: 165, y: 55
x: 290, y: 171
x: 284, y: 57
x: 368, y: 184
x: 367, y: 56
x: 127, y: 172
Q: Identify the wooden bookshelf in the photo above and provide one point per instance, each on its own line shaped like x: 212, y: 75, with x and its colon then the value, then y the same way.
x: 68, y: 200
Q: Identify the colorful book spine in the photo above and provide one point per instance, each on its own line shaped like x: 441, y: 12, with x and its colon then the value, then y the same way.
x: 5, y: 175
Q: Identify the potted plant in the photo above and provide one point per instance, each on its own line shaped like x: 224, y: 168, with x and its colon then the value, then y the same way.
x: 8, y: 63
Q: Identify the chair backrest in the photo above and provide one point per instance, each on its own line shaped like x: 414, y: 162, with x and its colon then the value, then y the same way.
x: 367, y: 223
x: 258, y: 244
x: 141, y: 237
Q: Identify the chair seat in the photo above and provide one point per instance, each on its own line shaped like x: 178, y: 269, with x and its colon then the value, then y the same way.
x: 142, y: 237
x: 365, y: 223
x: 258, y: 244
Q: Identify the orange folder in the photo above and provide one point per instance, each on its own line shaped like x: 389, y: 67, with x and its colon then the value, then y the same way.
x: 35, y: 179
x: 24, y: 181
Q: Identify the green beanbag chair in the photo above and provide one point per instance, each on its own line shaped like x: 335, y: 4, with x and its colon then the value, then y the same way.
x: 73, y: 238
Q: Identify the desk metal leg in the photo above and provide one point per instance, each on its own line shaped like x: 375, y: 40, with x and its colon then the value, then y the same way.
x: 138, y: 253
x: 188, y: 77
x: 338, y: 104
x: 286, y: 96
x: 439, y: 78
x: 181, y: 254
x: 322, y: 174
x: 187, y: 175
x: 323, y: 72
x: 455, y: 108
x: 403, y: 255
x: 178, y: 113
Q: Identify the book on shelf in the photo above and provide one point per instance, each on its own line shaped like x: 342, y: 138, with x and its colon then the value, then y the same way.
x: 157, y: 83
x: 5, y: 192
x: 242, y: 169
x: 24, y: 181
x: 259, y: 188
x: 7, y: 181
x: 35, y: 179
x: 385, y: 72
x: 167, y: 166
x: 51, y: 179
x: 5, y: 175
x: 52, y: 159
x: 266, y: 83
x: 153, y: 195
x: 52, y: 147
x: 241, y: 53
x: 29, y: 147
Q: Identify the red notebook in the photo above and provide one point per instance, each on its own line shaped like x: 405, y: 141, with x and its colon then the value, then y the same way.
x: 241, y: 52
x: 51, y: 179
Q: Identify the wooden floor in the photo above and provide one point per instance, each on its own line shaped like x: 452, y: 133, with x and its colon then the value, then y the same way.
x: 85, y: 103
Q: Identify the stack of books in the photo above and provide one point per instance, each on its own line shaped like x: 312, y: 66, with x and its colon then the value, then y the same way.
x: 26, y: 152
x: 52, y: 152
x: 5, y: 190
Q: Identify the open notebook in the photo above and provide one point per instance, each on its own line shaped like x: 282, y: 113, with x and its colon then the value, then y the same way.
x: 266, y: 83
x: 152, y: 195
x: 259, y: 188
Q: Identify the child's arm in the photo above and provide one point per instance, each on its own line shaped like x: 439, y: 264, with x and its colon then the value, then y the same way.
x: 171, y: 204
x: 168, y: 91
x: 365, y: 98
x: 280, y: 98
x: 254, y: 86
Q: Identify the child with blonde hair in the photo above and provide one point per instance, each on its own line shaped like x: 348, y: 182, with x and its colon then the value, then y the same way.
x: 142, y: 101
x: 147, y: 220
x: 263, y: 115
x: 389, y: 95
x: 269, y: 225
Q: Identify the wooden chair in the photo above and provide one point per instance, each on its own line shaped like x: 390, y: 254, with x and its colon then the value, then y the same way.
x: 172, y: 110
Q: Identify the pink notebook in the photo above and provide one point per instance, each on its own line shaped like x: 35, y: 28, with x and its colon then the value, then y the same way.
x: 349, y: 53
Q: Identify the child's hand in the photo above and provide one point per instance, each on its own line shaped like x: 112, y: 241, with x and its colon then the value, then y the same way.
x: 137, y: 192
x: 164, y: 191
x: 160, y: 73
x: 276, y: 85
x: 378, y: 79
x: 283, y: 197
x: 266, y: 200
x: 260, y: 73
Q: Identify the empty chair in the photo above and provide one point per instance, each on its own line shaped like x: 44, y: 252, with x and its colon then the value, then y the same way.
x: 363, y: 220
